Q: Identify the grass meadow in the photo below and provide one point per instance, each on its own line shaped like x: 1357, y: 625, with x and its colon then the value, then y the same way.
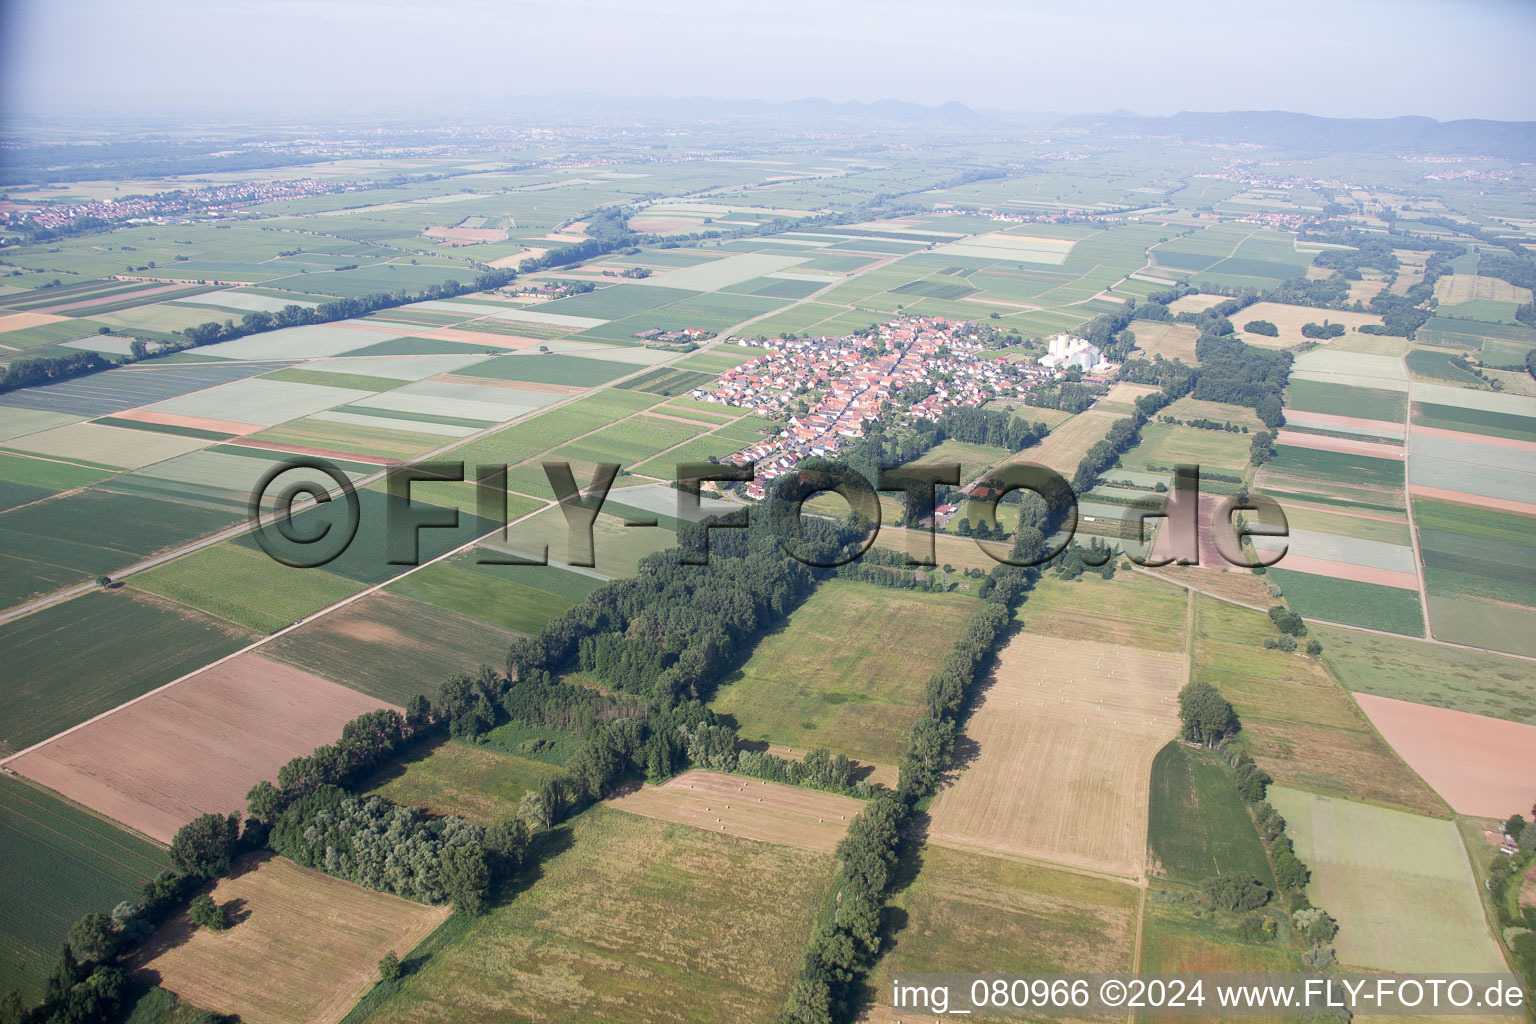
x: 633, y: 914
x: 1298, y: 723
x: 1377, y: 871
x: 846, y: 671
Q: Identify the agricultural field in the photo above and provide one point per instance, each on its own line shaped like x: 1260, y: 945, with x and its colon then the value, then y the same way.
x: 1298, y: 723
x: 1482, y: 767
x: 1060, y: 749
x: 1180, y: 933
x: 1198, y: 825
x: 968, y: 911
x: 1131, y: 610
x: 1350, y: 601
x: 304, y: 948
x: 52, y: 684
x: 751, y: 808
x: 216, y: 734
x: 391, y: 647
x: 1375, y: 870
x: 1289, y: 320
x: 455, y: 777
x: 1444, y: 677
x: 514, y: 597
x: 1164, y: 445
x: 846, y: 672
x: 635, y: 913
x: 63, y: 862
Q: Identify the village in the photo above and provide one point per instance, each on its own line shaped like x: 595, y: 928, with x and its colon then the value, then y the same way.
x: 908, y: 369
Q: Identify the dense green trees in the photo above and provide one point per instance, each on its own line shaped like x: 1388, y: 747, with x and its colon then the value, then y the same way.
x: 34, y: 370
x: 1262, y: 327
x: 1204, y: 714
x: 1235, y: 892
x: 205, y: 845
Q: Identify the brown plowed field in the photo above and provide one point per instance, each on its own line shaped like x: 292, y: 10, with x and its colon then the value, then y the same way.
x: 1056, y: 761
x: 303, y: 949
x: 1348, y: 445
x: 750, y: 808
x: 1482, y: 766
x: 196, y: 746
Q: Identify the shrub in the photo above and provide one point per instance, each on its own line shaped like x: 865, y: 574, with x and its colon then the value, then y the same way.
x: 207, y: 914
x: 1235, y: 892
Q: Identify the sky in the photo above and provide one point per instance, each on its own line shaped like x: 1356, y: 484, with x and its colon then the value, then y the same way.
x: 307, y: 59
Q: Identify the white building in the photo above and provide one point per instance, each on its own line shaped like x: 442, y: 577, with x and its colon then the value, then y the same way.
x: 1064, y: 351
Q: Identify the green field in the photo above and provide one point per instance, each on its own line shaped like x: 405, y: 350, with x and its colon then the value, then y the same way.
x: 1358, y: 604
x: 974, y: 913
x: 392, y: 647
x: 1163, y: 444
x: 1197, y: 824
x: 1378, y: 873
x: 1477, y: 552
x: 52, y: 684
x: 550, y: 429
x: 62, y: 862
x: 1480, y: 623
x: 847, y: 671
x: 1345, y: 400
x: 634, y: 914
x: 1436, y: 365
x: 494, y: 594
x: 1445, y: 677
x: 25, y: 479
x: 245, y: 585
x: 89, y: 532
x: 355, y: 438
x: 1338, y: 467
x: 1475, y: 421
x: 550, y: 368
x: 462, y: 778
x: 1297, y: 722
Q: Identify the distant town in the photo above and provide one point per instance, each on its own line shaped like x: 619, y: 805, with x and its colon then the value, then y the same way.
x: 907, y: 369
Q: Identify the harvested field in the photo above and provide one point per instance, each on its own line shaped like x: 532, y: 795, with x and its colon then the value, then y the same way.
x: 1399, y: 885
x: 196, y: 746
x: 1171, y: 341
x: 21, y: 321
x: 1065, y: 446
x: 1058, y: 754
x: 304, y: 949
x: 634, y: 915
x: 1484, y: 767
x: 107, y: 446
x: 968, y: 911
x: 1290, y: 319
x: 751, y: 808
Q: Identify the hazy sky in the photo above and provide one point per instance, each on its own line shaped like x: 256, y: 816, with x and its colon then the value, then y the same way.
x: 1444, y: 58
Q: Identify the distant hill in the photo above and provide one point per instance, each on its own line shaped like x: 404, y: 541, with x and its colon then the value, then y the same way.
x: 1307, y: 135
